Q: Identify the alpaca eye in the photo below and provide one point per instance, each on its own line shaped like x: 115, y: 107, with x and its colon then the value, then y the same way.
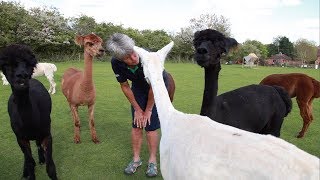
x: 90, y: 44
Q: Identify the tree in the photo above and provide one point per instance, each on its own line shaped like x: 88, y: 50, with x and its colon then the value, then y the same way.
x: 284, y: 46
x: 12, y: 18
x: 183, y: 48
x: 306, y: 50
x: 155, y: 40
x: 263, y: 49
x: 272, y: 49
x: 105, y: 30
x: 183, y: 40
x: 49, y: 33
x: 83, y: 24
x: 211, y: 21
x: 248, y: 48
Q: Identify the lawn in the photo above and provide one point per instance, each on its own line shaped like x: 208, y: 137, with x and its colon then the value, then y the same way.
x: 113, y: 122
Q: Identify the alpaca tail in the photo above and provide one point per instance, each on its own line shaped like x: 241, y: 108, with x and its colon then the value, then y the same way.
x: 316, y: 85
x: 285, y: 97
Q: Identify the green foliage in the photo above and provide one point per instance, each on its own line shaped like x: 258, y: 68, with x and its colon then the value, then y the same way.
x: 13, y: 19
x: 272, y: 49
x: 262, y: 51
x: 83, y: 25
x: 244, y: 49
x: 105, y: 30
x: 51, y: 35
x: 211, y: 21
x: 183, y: 49
x: 155, y: 40
x: 108, y: 159
x: 305, y: 50
x: 284, y: 46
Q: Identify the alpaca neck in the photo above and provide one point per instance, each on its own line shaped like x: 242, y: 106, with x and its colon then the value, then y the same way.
x: 87, y: 81
x: 162, y: 100
x: 210, y: 89
x: 22, y: 100
x: 20, y: 96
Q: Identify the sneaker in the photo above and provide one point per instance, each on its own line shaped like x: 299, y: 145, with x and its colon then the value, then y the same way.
x: 152, y: 170
x: 132, y: 167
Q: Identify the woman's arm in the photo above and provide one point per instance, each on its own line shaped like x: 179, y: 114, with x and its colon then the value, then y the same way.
x: 148, y: 111
x: 138, y: 113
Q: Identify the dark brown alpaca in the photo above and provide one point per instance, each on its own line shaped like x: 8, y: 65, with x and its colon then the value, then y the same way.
x: 301, y: 86
x: 78, y: 87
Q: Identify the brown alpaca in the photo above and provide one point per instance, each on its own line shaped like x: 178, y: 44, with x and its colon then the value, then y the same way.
x: 78, y: 87
x: 298, y: 85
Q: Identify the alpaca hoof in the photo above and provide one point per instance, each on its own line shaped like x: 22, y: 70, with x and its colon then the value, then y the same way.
x: 77, y: 141
x: 42, y: 162
x: 27, y: 178
x: 54, y: 178
x: 300, y: 135
x: 96, y: 141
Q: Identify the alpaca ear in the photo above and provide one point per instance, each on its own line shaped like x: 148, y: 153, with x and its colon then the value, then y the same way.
x: 165, y: 50
x: 196, y: 34
x: 79, y: 40
x: 230, y: 43
x: 141, y: 52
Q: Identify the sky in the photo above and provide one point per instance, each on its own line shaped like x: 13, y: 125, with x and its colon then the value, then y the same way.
x: 261, y: 20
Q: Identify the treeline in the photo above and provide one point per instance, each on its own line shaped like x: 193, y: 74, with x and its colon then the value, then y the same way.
x: 51, y: 35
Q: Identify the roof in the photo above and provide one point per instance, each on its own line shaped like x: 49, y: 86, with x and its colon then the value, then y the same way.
x: 251, y: 57
x: 280, y: 56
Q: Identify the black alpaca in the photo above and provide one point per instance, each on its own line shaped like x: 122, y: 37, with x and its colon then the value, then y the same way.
x: 29, y: 108
x: 256, y: 108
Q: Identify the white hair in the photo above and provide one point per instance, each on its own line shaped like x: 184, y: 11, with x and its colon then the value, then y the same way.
x: 120, y: 45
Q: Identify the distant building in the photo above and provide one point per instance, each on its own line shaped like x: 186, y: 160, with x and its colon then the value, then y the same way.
x: 278, y: 60
x: 250, y: 60
x: 317, y: 62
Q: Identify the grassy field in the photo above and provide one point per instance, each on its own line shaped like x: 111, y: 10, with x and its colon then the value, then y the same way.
x: 113, y: 122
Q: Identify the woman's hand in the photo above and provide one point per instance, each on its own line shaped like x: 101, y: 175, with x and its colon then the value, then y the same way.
x: 138, y: 119
x: 146, y: 117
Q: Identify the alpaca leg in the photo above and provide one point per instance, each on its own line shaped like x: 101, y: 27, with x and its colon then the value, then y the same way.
x: 309, y: 117
x: 29, y: 163
x: 304, y: 109
x: 91, y: 124
x: 76, y: 121
x: 52, y: 88
x: 40, y: 152
x: 310, y: 109
x: 50, y: 166
x: 274, y: 126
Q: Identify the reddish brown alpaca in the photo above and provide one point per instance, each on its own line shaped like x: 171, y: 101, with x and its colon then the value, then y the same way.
x: 78, y: 87
x: 298, y: 85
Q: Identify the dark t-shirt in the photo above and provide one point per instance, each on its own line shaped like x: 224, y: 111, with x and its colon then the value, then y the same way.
x: 123, y: 73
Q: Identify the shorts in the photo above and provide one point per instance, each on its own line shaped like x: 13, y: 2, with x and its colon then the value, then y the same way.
x: 141, y: 97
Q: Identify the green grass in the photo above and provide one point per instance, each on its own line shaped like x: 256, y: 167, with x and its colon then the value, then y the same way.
x: 113, y: 122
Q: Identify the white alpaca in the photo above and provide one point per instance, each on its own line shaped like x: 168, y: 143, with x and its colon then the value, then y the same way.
x: 46, y: 69
x: 195, y: 147
x: 4, y: 80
